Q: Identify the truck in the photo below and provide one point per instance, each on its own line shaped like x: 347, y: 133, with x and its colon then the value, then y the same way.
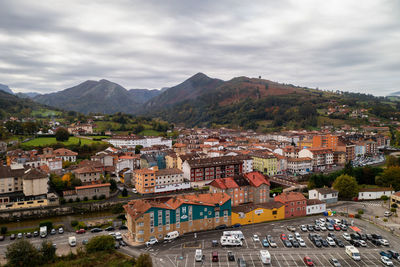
x: 353, y: 253
x: 72, y: 241
x: 230, y: 241
x: 43, y: 231
x: 171, y: 236
x: 237, y: 234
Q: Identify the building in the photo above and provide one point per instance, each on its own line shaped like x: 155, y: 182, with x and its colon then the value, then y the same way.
x: 148, y: 218
x: 247, y: 165
x: 93, y: 191
x: 131, y: 141
x: 322, y: 158
x: 299, y: 165
x: 265, y: 163
x: 168, y: 180
x: 374, y: 193
x: 202, y: 171
x: 327, y: 195
x: 65, y: 154
x: 258, y: 213
x: 327, y: 141
x: 315, y: 206
x: 295, y: 204
x: 171, y: 161
x: 78, y: 129
x: 395, y: 199
x: 251, y: 187
x: 145, y: 180
x: 88, y: 174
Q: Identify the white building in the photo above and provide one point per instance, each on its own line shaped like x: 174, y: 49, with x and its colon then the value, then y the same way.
x: 247, y: 165
x: 299, y: 165
x: 65, y: 154
x: 315, y: 206
x: 133, y: 141
x: 170, y: 180
x: 327, y: 195
x: 125, y: 162
x: 35, y: 183
x: 322, y: 158
x: 374, y: 193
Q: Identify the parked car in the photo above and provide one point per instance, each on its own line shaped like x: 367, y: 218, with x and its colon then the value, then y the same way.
x: 96, y: 230
x: 85, y: 241
x: 256, y: 238
x: 36, y: 234
x: 291, y: 228
x: 324, y: 243
x: 214, y: 243
x: 241, y: 262
x: 12, y: 236
x: 336, y: 227
x: 2, y: 237
x: 117, y: 245
x: 265, y: 243
x: 386, y: 254
x: 343, y: 227
x: 19, y: 236
x: 28, y: 235
x: 53, y: 231
x: 81, y: 231
x: 386, y: 261
x: 271, y: 241
x: 376, y: 242
x: 287, y: 243
x: 283, y: 237
x: 60, y: 230
x: 310, y: 228
x: 220, y: 227
x: 317, y: 243
x: 231, y: 256
x: 317, y: 228
x: 330, y: 227
x: 346, y: 236
x: 308, y: 261
x: 122, y: 243
x: 295, y: 243
x: 236, y: 225
x: 152, y: 241
x: 303, y: 228
x: 302, y: 243
x: 290, y: 237
x: 123, y: 227
x: 384, y: 242
x: 339, y: 243
x: 109, y: 228
x: 395, y: 255
x: 335, y: 262
x: 369, y: 236
x: 355, y: 242
x: 363, y: 243
x: 322, y: 227
x: 330, y: 241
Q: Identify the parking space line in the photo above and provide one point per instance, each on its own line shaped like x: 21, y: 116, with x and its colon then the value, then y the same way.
x: 171, y: 261
x: 247, y: 246
x: 316, y: 257
x: 252, y: 260
x: 368, y: 260
x: 276, y: 259
x: 227, y: 259
x: 286, y: 262
x: 293, y: 259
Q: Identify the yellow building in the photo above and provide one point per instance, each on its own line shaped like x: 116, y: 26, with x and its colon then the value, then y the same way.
x: 171, y: 161
x: 305, y: 143
x: 250, y: 213
x: 265, y: 163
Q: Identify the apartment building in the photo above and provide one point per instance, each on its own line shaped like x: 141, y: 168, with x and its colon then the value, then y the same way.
x: 265, y: 163
x: 147, y: 218
x: 299, y: 165
x: 322, y: 158
x: 131, y: 141
x: 168, y: 180
x: 295, y: 204
x: 88, y: 174
x: 145, y: 181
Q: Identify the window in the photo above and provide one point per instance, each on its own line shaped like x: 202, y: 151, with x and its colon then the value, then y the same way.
x: 160, y: 228
x: 141, y: 224
x: 151, y: 229
x: 274, y: 212
x: 178, y: 225
x: 141, y: 232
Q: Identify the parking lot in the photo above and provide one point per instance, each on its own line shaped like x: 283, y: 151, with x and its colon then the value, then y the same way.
x: 181, y: 252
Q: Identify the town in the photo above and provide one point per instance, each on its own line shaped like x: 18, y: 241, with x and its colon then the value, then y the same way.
x: 205, y: 180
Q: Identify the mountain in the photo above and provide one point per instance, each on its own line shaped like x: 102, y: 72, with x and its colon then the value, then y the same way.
x: 395, y: 94
x: 12, y: 105
x: 197, y: 85
x: 144, y: 95
x: 98, y: 96
x: 5, y: 88
x: 27, y: 95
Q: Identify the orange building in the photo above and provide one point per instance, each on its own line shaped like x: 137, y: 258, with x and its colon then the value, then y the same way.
x: 145, y: 180
x: 328, y: 141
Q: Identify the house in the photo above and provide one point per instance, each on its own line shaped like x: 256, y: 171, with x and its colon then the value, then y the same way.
x: 322, y: 158
x: 257, y: 213
x: 265, y: 162
x: 202, y: 171
x: 315, y: 206
x: 299, y: 165
x: 169, y: 180
x: 374, y: 193
x: 88, y: 174
x: 247, y: 165
x: 65, y: 154
x: 88, y: 191
x: 78, y: 129
x: 149, y: 218
x: 327, y: 195
x: 295, y: 204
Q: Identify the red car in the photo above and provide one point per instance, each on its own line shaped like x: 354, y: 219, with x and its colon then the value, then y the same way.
x: 308, y: 261
x: 81, y: 231
x: 337, y: 227
x: 283, y: 237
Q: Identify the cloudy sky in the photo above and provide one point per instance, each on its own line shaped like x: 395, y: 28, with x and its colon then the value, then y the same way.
x: 348, y: 45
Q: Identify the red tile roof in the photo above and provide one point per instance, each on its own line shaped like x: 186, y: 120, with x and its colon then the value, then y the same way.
x: 92, y: 186
x: 224, y: 183
x: 290, y: 196
x: 256, y: 179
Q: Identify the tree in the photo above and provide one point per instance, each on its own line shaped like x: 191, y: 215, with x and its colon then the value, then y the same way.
x: 138, y: 148
x: 22, y: 253
x: 62, y: 135
x: 3, y: 230
x: 48, y: 251
x: 346, y: 185
x: 124, y: 192
x: 392, y: 161
x: 48, y: 224
x: 390, y: 177
x: 394, y: 205
x: 100, y: 243
x: 144, y: 260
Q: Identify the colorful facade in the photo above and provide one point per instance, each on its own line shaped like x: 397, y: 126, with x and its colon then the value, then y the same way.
x: 184, y: 213
x: 265, y: 163
x: 295, y: 204
x: 258, y: 213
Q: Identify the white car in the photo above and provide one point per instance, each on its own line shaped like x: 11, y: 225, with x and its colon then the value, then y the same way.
x: 301, y: 243
x: 384, y: 242
x: 297, y: 235
x: 303, y: 228
x: 256, y: 238
x: 290, y: 237
x: 330, y: 241
x: 134, y: 190
x: 322, y: 227
x: 346, y: 236
x: 152, y: 241
x: 322, y: 220
x: 362, y: 243
x: 385, y: 260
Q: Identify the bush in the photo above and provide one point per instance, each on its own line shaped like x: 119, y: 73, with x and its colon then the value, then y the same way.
x: 394, y: 205
x: 78, y: 199
x: 102, y: 197
x: 22, y: 253
x: 62, y: 201
x: 94, y: 197
x: 100, y: 243
x: 385, y: 220
x: 393, y: 210
x: 70, y: 200
x: 384, y: 197
x: 121, y: 217
x: 377, y: 217
x: 124, y: 192
x: 117, y: 208
x: 48, y: 251
x: 81, y: 225
x: 360, y: 212
x: 74, y: 223
x: 3, y: 230
x: 85, y: 199
x: 357, y: 216
x: 144, y: 260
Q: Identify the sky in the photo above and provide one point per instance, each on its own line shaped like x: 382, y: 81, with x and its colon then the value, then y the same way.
x: 349, y: 45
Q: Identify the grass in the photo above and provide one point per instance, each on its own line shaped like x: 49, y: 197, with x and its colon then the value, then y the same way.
x: 25, y: 230
x: 102, y: 258
x: 149, y: 133
x: 45, y: 141
x: 46, y: 113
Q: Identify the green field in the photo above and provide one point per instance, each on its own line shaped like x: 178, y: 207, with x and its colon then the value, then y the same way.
x: 45, y: 141
x: 45, y: 113
x: 149, y: 133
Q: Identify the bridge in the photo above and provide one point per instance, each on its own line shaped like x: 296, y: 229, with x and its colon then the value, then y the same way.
x: 290, y: 185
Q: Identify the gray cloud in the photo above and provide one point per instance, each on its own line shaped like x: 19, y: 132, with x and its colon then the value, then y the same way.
x: 334, y: 44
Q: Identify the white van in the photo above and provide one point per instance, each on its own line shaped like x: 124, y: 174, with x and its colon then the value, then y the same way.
x: 353, y: 253
x: 171, y: 236
x: 198, y: 256
x: 72, y: 241
x: 238, y: 234
x: 230, y: 241
x: 265, y: 257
